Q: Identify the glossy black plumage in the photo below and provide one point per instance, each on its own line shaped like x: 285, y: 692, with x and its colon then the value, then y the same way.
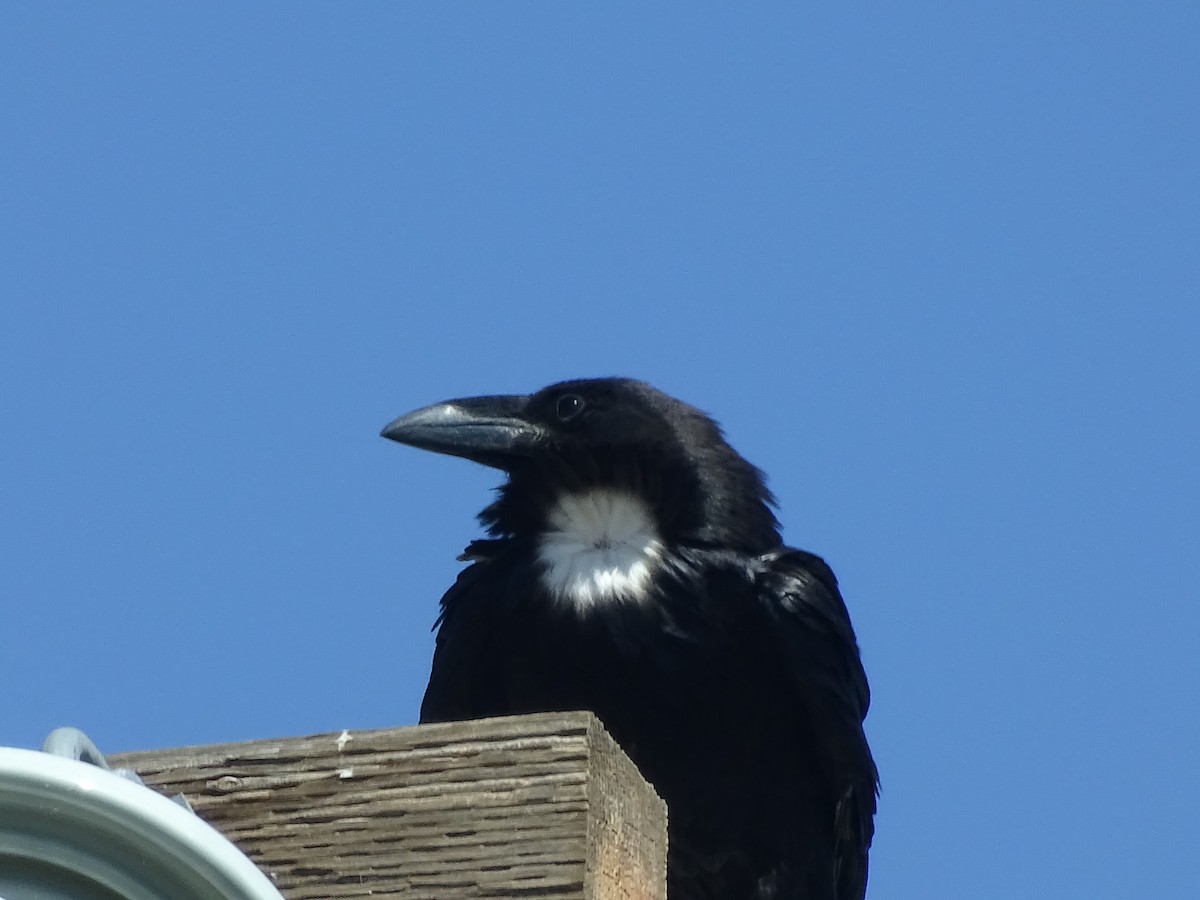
x: 732, y: 678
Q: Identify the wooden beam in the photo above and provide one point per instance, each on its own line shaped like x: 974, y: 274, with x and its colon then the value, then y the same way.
x: 543, y: 806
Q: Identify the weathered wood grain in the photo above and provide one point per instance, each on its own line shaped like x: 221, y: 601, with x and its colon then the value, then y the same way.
x: 543, y: 806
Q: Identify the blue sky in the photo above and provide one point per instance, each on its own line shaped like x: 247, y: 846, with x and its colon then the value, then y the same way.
x: 935, y: 270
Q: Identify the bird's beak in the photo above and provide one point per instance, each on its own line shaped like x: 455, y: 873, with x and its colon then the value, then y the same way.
x: 488, y: 430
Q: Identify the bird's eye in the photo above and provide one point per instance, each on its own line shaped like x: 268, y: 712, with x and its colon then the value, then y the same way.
x: 569, y: 406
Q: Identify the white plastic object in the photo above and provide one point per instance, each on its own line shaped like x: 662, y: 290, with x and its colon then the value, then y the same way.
x: 69, y: 829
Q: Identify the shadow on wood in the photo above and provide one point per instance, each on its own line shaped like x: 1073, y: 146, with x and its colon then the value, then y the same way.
x: 543, y: 806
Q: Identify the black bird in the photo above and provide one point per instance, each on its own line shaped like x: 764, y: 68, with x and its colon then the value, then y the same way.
x: 635, y: 568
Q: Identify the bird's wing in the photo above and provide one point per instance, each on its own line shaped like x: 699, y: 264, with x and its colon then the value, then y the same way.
x: 821, y: 653
x: 462, y: 679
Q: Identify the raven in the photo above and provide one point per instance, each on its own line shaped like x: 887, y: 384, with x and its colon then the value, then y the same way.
x: 634, y: 568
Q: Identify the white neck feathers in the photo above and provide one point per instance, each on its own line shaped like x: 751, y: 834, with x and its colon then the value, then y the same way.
x: 599, y: 546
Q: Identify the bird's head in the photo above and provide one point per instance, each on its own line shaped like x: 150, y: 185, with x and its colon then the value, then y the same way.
x: 614, y: 436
